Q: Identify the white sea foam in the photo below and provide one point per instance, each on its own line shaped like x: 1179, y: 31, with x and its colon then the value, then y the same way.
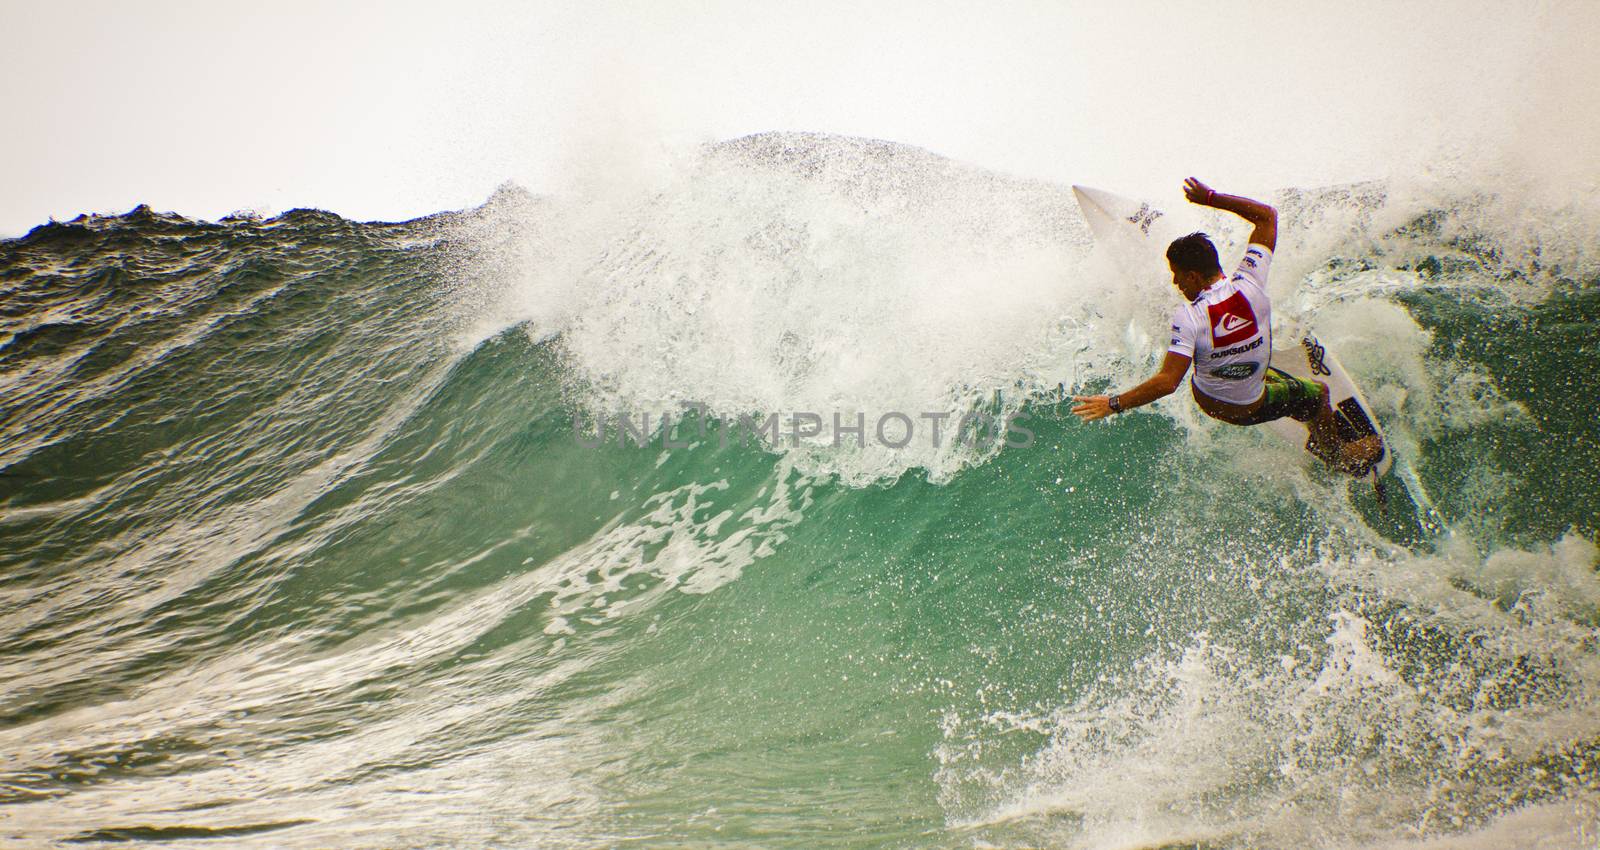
x: 1433, y: 690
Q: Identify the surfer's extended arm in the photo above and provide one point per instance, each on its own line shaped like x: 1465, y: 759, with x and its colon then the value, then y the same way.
x: 1263, y: 216
x: 1173, y: 368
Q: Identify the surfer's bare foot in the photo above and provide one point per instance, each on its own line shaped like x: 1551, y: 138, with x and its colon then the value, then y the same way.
x: 1357, y: 456
x: 1324, y: 450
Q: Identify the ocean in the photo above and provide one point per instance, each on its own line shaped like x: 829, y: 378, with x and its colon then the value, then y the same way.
x: 320, y: 533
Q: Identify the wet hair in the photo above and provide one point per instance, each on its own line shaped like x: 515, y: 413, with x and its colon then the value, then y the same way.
x: 1194, y: 253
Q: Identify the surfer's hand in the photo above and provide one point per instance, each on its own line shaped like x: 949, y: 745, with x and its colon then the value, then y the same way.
x: 1197, y: 192
x: 1093, y: 407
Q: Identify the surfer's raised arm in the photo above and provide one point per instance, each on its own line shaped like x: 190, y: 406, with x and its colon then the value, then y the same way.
x: 1263, y: 216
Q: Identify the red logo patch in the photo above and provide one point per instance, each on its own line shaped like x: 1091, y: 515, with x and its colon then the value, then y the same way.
x: 1232, y: 320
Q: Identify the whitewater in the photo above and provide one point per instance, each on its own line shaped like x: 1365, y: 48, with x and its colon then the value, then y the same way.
x: 303, y: 543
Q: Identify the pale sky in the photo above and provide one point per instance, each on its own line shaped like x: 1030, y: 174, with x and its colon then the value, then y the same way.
x: 392, y: 110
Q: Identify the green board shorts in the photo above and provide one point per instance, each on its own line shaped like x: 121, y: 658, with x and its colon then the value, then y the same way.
x: 1286, y: 395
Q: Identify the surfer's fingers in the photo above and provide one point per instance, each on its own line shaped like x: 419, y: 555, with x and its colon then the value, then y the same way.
x: 1093, y: 407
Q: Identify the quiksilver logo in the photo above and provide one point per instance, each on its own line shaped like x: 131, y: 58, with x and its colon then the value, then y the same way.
x: 1238, y: 349
x: 1230, y: 323
x: 1232, y: 320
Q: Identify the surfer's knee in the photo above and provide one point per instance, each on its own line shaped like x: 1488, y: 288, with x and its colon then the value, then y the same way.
x: 1312, y: 401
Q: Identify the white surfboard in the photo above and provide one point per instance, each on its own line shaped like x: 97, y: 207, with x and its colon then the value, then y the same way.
x: 1137, y: 234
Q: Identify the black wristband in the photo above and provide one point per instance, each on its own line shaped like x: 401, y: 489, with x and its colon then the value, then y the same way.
x: 1116, y: 403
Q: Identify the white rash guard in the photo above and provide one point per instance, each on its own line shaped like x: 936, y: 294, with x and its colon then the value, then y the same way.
x: 1227, y: 331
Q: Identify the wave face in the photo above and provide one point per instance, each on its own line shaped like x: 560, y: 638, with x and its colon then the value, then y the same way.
x: 302, y: 543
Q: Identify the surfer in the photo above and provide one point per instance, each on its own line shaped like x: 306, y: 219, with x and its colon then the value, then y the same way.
x: 1226, y: 328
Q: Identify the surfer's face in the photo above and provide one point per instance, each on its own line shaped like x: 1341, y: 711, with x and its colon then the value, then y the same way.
x: 1187, y: 282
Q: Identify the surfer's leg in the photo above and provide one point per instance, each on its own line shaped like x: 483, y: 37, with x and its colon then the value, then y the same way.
x: 1312, y: 407
x: 1354, y: 457
x: 1324, y: 442
x: 1310, y: 402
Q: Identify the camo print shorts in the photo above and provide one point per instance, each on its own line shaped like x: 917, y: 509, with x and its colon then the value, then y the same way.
x: 1286, y: 395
